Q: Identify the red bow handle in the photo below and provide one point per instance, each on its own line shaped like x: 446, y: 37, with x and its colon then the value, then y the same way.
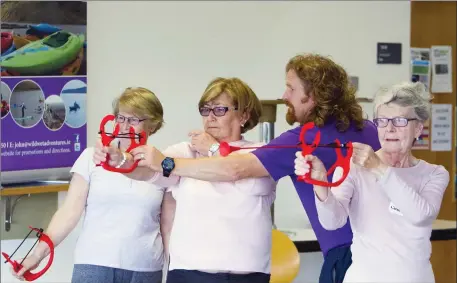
x: 341, y: 161
x: 107, y: 139
x: 29, y: 276
x: 307, y: 149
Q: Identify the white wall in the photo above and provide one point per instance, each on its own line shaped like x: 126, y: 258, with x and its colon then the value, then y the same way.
x: 176, y: 48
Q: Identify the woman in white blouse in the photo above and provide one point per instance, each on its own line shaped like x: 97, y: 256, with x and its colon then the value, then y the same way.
x: 120, y: 240
x: 390, y: 196
x: 221, y: 230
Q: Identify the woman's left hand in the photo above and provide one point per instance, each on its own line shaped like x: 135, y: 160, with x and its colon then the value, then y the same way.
x: 364, y: 156
x: 201, y: 141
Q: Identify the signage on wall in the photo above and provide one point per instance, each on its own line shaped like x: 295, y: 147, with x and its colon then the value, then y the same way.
x: 354, y: 82
x: 43, y: 86
x: 389, y: 53
x: 441, y: 127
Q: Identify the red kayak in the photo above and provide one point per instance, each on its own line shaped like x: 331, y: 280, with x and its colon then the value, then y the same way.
x: 7, y: 40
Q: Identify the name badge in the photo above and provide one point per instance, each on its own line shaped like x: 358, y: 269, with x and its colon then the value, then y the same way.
x: 394, y: 209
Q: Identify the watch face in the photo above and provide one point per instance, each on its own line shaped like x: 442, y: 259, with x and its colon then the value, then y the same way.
x: 168, y: 163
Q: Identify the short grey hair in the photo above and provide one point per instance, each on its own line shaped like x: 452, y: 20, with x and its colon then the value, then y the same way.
x: 406, y: 94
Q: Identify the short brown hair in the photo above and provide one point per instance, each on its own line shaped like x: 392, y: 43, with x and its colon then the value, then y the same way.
x: 144, y: 103
x: 332, y: 92
x: 242, y: 96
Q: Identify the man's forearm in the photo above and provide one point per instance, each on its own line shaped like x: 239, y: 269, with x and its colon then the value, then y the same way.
x: 222, y: 169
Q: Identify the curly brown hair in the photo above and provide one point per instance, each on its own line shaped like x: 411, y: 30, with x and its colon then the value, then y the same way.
x: 329, y: 85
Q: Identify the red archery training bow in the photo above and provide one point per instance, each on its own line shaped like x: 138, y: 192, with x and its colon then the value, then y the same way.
x: 29, y: 276
x: 107, y: 138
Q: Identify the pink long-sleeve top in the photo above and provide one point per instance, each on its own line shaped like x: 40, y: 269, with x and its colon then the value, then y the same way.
x: 391, y: 219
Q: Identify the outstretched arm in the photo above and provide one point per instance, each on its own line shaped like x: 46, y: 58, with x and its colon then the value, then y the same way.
x: 332, y: 204
x: 225, y: 169
x: 262, y: 162
x: 419, y: 205
x: 166, y: 219
x: 67, y: 216
x: 120, y: 159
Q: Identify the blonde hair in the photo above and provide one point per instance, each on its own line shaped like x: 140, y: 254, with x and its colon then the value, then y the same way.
x: 406, y: 94
x: 242, y: 96
x: 143, y: 103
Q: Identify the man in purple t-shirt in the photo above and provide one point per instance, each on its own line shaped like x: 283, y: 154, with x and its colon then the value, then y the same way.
x: 318, y: 90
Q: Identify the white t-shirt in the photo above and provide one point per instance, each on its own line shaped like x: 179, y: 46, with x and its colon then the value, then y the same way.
x: 121, y: 226
x: 391, y: 219
x: 221, y: 226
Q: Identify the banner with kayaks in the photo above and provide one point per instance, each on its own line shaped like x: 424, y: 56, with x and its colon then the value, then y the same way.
x: 43, y: 92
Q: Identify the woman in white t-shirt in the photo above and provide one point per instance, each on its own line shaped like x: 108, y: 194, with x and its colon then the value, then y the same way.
x: 120, y: 240
x: 390, y: 196
x: 221, y: 231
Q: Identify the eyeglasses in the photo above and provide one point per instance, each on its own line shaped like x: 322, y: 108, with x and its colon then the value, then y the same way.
x: 218, y: 110
x: 397, y: 121
x: 133, y: 121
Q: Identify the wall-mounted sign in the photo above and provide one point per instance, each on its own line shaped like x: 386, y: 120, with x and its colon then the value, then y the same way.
x: 441, y: 127
x: 389, y: 53
x: 354, y: 82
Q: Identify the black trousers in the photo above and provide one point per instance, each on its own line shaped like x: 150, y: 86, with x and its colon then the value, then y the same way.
x: 193, y: 276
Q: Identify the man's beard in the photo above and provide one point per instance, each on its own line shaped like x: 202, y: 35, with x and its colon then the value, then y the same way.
x: 290, y: 116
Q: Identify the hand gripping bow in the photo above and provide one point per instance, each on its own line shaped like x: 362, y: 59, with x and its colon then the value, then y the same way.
x: 29, y: 276
x: 107, y: 138
x: 342, y: 161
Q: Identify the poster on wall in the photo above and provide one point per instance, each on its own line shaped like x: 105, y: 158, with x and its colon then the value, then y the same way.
x: 441, y: 139
x: 424, y: 139
x: 442, y: 69
x: 420, y: 66
x: 455, y: 165
x: 43, y: 84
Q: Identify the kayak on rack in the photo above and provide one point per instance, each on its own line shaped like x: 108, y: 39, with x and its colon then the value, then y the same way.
x: 20, y: 41
x: 7, y: 40
x: 42, y: 29
x: 10, y: 50
x: 44, y: 56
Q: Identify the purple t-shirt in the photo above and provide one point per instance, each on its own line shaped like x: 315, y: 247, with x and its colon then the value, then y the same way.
x: 279, y: 162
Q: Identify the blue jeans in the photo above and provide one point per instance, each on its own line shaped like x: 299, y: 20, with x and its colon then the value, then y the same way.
x: 193, y: 276
x: 336, y: 263
x: 88, y: 273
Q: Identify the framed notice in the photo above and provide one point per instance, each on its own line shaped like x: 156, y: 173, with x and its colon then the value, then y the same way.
x: 441, y: 138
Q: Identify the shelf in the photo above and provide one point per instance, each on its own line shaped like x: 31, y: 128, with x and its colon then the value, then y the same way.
x: 14, y: 192
x: 364, y: 100
x: 34, y: 188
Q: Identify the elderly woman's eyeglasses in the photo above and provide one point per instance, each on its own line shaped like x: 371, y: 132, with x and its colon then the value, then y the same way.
x: 133, y: 121
x: 218, y: 110
x: 397, y: 121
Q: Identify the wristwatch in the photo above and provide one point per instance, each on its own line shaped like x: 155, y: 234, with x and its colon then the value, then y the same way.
x: 168, y: 164
x: 213, y: 149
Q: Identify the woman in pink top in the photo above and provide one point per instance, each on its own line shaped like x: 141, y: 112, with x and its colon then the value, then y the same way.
x: 390, y: 196
x: 221, y: 231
